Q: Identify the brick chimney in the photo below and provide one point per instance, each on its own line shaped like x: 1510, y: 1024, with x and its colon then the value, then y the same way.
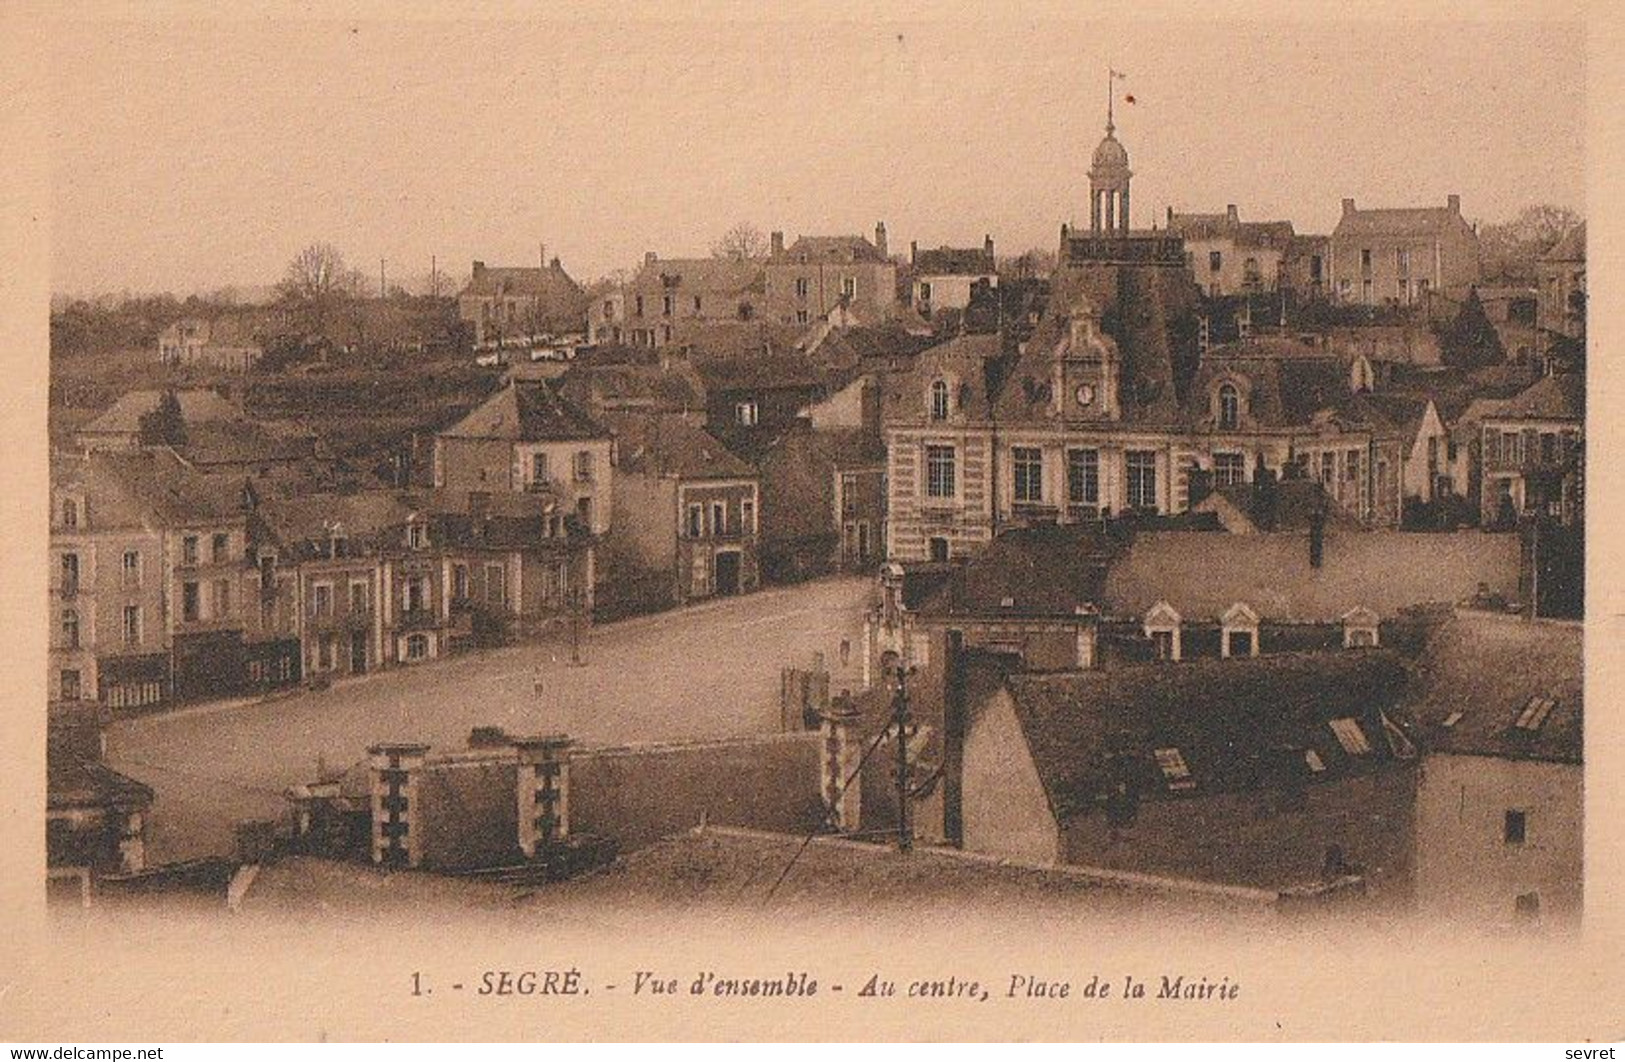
x: 776, y: 243
x: 1232, y: 215
x: 1317, y: 538
x: 1170, y: 217
x: 1454, y: 203
x: 543, y: 791
x: 650, y: 258
x: 1348, y: 206
x: 880, y: 239
x: 553, y: 264
x: 987, y: 245
x: 913, y: 251
x: 479, y: 270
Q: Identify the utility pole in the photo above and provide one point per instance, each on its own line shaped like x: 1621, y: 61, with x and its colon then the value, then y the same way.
x: 905, y: 827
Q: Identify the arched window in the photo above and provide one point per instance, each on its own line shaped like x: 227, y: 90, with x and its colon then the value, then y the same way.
x: 1229, y: 408
x: 939, y: 400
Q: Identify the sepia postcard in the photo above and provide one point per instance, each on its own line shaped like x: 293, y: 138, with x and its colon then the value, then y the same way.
x: 699, y: 522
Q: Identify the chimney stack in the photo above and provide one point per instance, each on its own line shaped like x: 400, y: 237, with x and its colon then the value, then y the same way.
x: 479, y: 270
x: 987, y: 245
x: 543, y: 791
x: 553, y: 263
x: 880, y: 239
x: 776, y: 243
x: 1454, y: 203
x: 650, y: 258
x: 1170, y: 217
x: 913, y: 251
x: 1317, y: 537
x: 1348, y: 206
x: 1232, y: 215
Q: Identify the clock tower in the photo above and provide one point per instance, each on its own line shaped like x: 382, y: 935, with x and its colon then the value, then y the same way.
x: 1087, y: 367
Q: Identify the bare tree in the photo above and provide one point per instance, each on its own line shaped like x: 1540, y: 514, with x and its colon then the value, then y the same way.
x: 742, y: 242
x: 1511, y: 248
x: 316, y: 275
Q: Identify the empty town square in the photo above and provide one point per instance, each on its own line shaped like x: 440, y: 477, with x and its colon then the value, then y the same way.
x: 711, y: 671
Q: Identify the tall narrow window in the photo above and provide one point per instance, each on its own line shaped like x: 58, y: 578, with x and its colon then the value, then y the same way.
x: 1027, y: 464
x: 70, y: 513
x: 1142, y: 479
x: 939, y: 400
x: 719, y: 518
x: 132, y: 625
x: 939, y: 472
x: 70, y: 574
x: 1229, y: 408
x: 1083, y: 477
x: 70, y: 628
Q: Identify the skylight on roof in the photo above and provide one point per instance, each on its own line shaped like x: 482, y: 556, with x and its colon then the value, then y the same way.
x: 1452, y: 719
x: 1534, y: 713
x: 1174, y: 769
x: 1351, y: 737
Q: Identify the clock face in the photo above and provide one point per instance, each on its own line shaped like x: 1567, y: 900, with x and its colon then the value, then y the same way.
x: 1085, y: 394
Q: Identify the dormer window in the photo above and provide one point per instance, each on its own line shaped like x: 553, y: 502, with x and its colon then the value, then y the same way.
x: 1239, y: 626
x: 1229, y: 407
x: 1360, y: 628
x: 417, y: 536
x: 1162, y: 628
x: 940, y: 400
x: 338, y: 544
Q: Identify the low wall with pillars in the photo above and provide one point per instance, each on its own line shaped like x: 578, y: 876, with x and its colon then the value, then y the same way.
x: 501, y: 805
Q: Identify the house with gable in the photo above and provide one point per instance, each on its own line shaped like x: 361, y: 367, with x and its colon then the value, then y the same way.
x: 1397, y: 256
x: 529, y: 437
x: 688, y: 508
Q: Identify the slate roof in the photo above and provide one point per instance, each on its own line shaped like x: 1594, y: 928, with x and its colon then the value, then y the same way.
x: 1480, y: 674
x: 1290, y: 383
x: 668, y: 445
x: 527, y: 411
x: 1271, y: 234
x: 75, y: 776
x: 1202, y: 574
x: 559, y: 295
x: 197, y: 406
x: 676, y: 389
x: 1046, y: 570
x: 768, y: 372
x: 244, y: 442
x: 721, y: 276
x: 1396, y: 221
x: 832, y: 249
x: 735, y: 340
x: 953, y: 261
x: 1558, y: 397
x: 367, y: 518
x: 170, y: 493
x: 1238, y: 725
x: 903, y: 395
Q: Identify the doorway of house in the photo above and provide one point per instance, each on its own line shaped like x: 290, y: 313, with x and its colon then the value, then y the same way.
x: 727, y: 573
x: 358, y: 652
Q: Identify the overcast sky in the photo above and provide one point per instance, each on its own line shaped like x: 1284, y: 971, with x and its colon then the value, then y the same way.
x: 188, y: 156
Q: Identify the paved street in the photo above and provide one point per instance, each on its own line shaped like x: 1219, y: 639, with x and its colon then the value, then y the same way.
x: 710, y: 671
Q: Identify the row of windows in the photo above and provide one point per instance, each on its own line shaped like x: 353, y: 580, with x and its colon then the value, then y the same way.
x: 581, y: 468
x: 71, y: 632
x: 695, y: 524
x: 219, y: 548
x: 1027, y: 467
x: 130, y: 572
x: 1515, y: 447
